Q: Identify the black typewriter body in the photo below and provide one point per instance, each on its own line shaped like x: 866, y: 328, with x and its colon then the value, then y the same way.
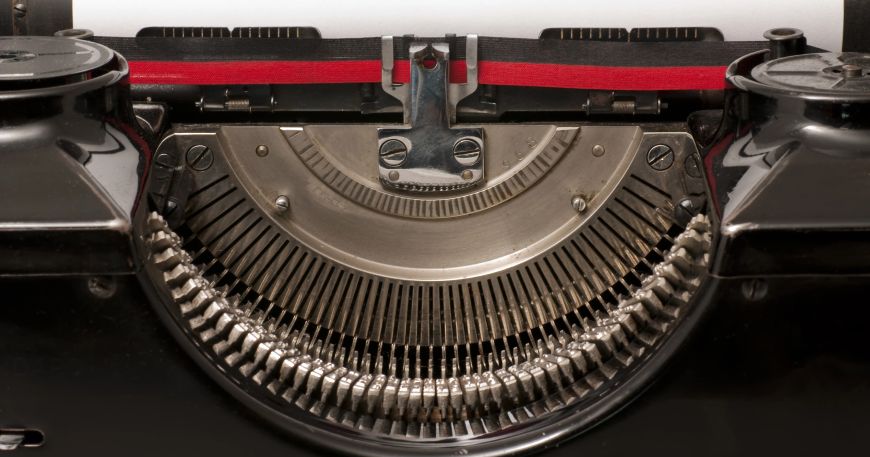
x: 600, y: 241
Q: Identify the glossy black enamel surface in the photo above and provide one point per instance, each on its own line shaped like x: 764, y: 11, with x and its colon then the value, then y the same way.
x: 788, y: 170
x: 71, y: 158
x: 768, y: 377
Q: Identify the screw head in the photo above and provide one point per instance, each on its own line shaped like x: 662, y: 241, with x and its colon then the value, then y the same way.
x: 393, y: 175
x: 598, y: 150
x: 393, y: 153
x: 282, y: 203
x: 199, y: 157
x: 660, y: 157
x: 578, y: 203
x: 262, y: 150
x: 20, y: 9
x: 466, y: 151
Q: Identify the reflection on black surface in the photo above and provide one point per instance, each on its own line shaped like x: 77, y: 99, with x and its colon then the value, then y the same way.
x: 789, y: 375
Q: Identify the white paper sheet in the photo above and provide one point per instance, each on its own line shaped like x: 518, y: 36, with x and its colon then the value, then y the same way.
x: 821, y: 20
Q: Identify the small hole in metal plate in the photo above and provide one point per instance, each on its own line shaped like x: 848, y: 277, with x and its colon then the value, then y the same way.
x: 429, y: 63
x: 16, y: 438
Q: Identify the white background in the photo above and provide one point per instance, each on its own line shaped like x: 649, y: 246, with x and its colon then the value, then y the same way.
x: 821, y: 20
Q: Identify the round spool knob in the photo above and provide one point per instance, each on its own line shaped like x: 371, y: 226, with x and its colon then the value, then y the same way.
x: 785, y: 41
x: 832, y: 77
x: 824, y: 73
x: 29, y: 62
x: 820, y: 99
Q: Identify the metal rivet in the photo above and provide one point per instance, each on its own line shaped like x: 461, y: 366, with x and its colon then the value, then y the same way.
x: 262, y: 150
x: 282, y: 203
x: 199, y: 157
x: 393, y: 153
x: 598, y: 150
x: 660, y: 157
x: 393, y: 175
x: 466, y: 151
x: 467, y: 175
x: 578, y: 203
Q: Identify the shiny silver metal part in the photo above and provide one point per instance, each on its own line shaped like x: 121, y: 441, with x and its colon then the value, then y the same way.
x: 398, y: 91
x: 521, y: 156
x: 456, y: 91
x: 427, y: 154
x: 519, y: 214
x: 401, y: 398
x: 430, y: 316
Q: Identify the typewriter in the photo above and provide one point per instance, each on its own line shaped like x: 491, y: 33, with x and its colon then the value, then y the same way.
x: 263, y: 240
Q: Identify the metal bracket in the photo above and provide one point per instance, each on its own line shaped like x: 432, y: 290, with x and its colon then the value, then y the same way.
x: 622, y: 102
x: 427, y: 154
x: 237, y: 98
